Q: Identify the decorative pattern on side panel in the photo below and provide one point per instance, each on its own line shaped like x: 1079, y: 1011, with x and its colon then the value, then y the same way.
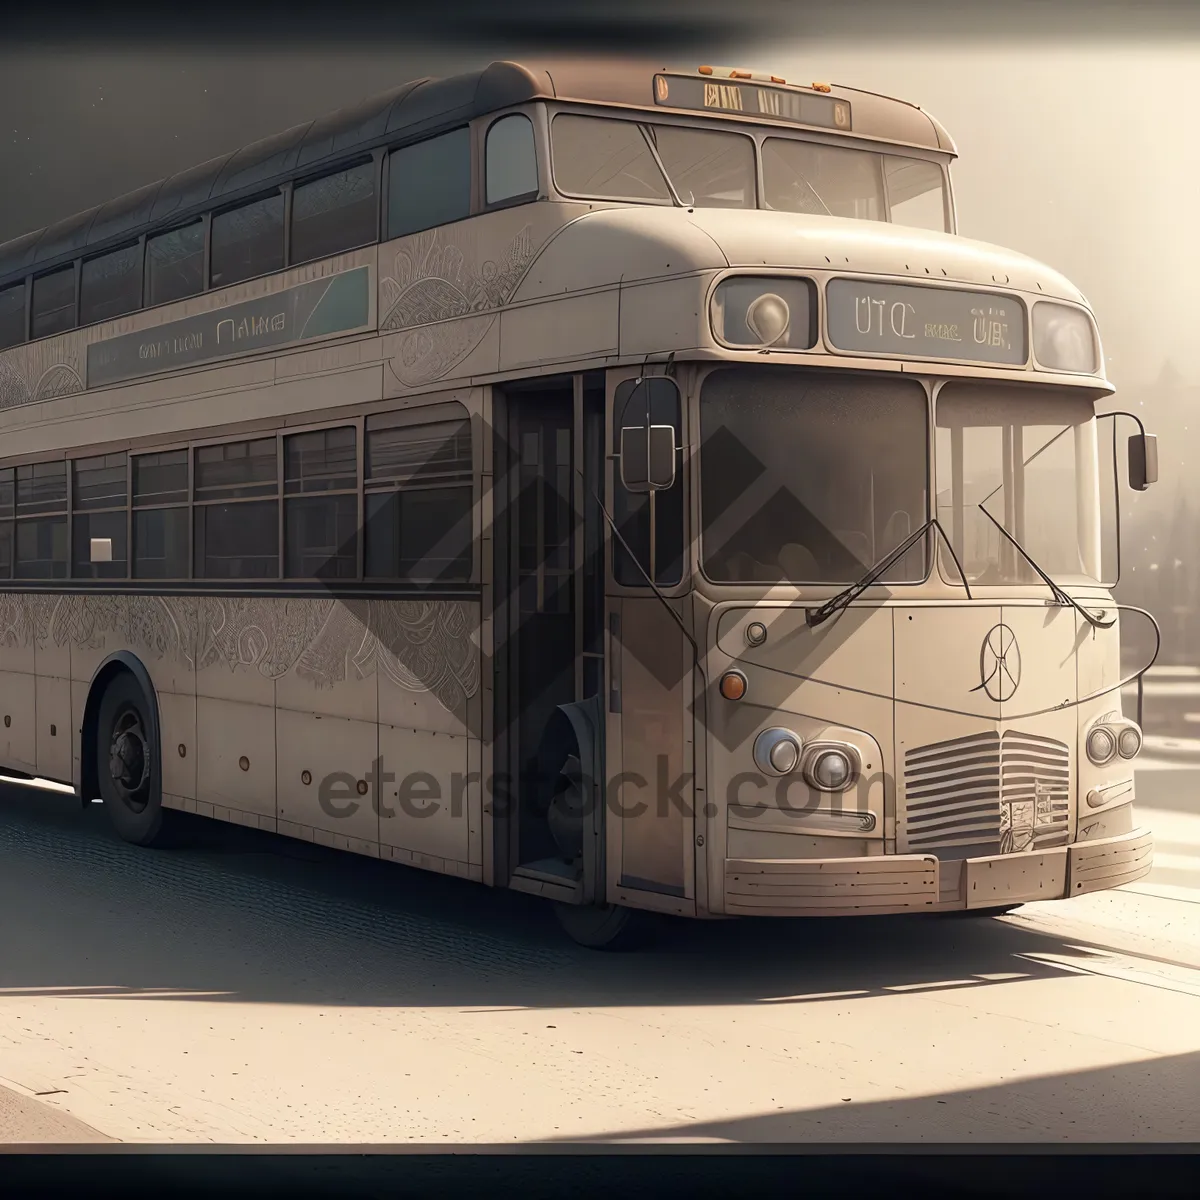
x: 439, y: 276
x: 41, y: 371
x: 421, y: 645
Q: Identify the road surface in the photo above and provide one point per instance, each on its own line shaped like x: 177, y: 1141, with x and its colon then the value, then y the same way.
x: 249, y: 989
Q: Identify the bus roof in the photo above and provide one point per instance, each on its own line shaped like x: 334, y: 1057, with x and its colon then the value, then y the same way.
x: 414, y: 109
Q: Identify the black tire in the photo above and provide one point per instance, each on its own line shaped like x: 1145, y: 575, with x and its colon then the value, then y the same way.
x: 602, y: 926
x: 128, y: 764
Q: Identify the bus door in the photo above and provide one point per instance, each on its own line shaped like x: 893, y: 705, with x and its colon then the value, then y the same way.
x: 548, y: 622
x: 650, y: 795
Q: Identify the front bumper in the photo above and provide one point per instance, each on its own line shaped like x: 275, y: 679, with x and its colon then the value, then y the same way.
x: 905, y: 883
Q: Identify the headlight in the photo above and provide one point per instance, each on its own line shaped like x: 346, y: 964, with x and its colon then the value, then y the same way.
x: 1129, y: 742
x: 830, y: 770
x: 756, y: 312
x: 1101, y: 745
x: 777, y: 751
x: 1063, y: 339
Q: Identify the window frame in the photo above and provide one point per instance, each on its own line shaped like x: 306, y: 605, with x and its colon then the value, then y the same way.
x: 147, y: 302
x: 73, y: 462
x: 74, y: 269
x: 473, y: 184
x: 540, y: 161
x: 926, y: 382
x: 404, y: 419
x: 303, y: 181
x: 140, y: 244
x: 283, y: 192
x: 437, y: 412
x: 64, y: 511
x: 757, y: 134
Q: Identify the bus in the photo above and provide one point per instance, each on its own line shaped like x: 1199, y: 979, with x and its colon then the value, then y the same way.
x: 618, y: 484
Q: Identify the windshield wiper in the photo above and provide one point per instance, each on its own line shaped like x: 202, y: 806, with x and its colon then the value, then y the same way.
x: 1060, y: 597
x: 834, y: 605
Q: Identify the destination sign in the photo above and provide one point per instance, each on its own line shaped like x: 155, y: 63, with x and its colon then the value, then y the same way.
x: 752, y: 99
x: 316, y: 309
x: 910, y: 321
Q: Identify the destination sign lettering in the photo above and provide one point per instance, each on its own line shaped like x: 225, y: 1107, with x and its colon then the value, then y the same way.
x: 752, y: 99
x: 911, y: 321
x: 318, y: 308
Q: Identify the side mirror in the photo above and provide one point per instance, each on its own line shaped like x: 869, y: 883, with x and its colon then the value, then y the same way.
x: 1143, y: 461
x: 648, y: 458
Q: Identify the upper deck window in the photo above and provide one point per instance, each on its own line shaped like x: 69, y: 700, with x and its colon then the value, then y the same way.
x: 334, y: 213
x: 511, y: 159
x: 54, y: 303
x: 595, y: 156
x: 12, y: 316
x: 175, y: 264
x: 247, y: 241
x: 429, y: 183
x: 840, y: 181
x: 709, y: 168
x: 110, y: 286
x: 626, y: 160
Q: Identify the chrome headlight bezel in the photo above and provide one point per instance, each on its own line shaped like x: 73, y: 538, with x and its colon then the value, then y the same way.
x: 1133, y: 732
x: 1100, y: 745
x: 818, y: 751
x: 768, y: 746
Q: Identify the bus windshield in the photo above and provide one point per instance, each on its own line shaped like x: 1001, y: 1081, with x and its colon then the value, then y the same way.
x: 1030, y: 460
x: 810, y: 476
x: 655, y: 163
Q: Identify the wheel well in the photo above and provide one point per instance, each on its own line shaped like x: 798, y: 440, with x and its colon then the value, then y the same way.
x: 121, y: 663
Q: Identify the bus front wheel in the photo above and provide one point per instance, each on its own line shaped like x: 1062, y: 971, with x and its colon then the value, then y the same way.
x: 127, y: 763
x: 601, y: 926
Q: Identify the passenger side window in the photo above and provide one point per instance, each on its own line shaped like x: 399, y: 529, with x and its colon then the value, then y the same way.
x: 334, y: 213
x: 320, y: 513
x: 110, y: 286
x: 53, y: 303
x: 175, y: 264
x: 511, y: 172
x: 418, y: 501
x: 161, y: 539
x: 99, y: 488
x: 236, y: 517
x: 429, y: 183
x: 247, y: 241
x: 12, y: 316
x: 7, y: 501
x: 651, y: 402
x: 41, y: 526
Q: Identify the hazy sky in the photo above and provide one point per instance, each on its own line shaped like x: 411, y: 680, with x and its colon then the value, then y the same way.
x: 1085, y: 156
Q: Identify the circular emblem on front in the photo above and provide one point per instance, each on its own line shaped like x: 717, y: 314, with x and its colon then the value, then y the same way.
x: 999, y: 664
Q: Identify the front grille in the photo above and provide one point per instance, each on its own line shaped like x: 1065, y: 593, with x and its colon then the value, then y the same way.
x: 992, y: 793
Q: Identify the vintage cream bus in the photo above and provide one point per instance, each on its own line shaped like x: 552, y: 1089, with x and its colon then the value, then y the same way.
x: 617, y: 484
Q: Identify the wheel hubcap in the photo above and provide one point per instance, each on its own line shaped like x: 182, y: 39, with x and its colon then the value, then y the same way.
x: 129, y: 759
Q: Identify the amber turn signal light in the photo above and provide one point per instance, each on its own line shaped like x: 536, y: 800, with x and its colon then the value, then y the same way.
x: 733, y: 685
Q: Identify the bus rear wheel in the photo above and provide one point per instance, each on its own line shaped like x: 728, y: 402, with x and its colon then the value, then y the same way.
x: 601, y: 926
x: 127, y: 764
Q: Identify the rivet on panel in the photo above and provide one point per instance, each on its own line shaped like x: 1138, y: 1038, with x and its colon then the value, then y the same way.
x: 244, y: 763
x: 306, y: 777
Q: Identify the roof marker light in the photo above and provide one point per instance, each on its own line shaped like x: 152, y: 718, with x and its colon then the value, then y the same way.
x: 821, y: 87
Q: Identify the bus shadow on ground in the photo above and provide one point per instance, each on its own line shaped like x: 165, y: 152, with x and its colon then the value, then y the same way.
x: 253, y: 917
x: 1149, y: 1101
